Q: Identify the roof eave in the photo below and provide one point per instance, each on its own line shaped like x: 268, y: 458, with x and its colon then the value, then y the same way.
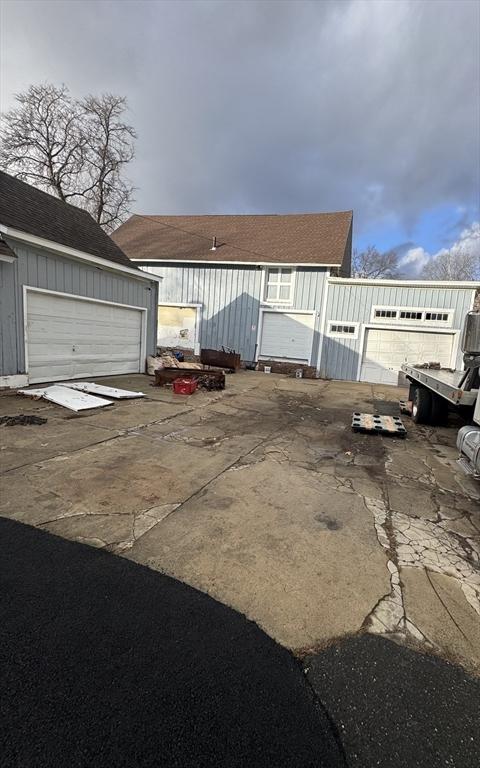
x: 74, y: 253
x: 238, y: 263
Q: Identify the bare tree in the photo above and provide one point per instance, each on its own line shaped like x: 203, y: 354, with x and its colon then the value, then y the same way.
x: 108, y: 149
x: 371, y: 263
x: 453, y: 265
x: 75, y: 149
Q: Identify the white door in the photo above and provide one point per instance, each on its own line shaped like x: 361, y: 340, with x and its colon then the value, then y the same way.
x: 287, y: 336
x: 69, y: 338
x: 386, y: 351
x: 176, y: 326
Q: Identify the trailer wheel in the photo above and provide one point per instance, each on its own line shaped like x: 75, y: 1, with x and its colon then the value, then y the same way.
x: 439, y: 411
x: 422, y: 405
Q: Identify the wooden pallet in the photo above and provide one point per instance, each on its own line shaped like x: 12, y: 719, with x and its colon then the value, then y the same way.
x: 370, y: 423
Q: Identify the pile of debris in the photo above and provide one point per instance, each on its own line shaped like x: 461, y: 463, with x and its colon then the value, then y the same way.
x: 170, y: 370
x: 167, y: 360
x: 22, y: 420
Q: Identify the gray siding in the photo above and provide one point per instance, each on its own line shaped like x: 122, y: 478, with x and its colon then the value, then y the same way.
x: 230, y: 299
x: 41, y: 269
x: 340, y: 357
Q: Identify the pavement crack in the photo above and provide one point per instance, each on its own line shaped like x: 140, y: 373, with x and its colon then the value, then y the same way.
x: 445, y: 606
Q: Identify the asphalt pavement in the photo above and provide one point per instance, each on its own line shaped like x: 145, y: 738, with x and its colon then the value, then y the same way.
x: 104, y: 662
x: 397, y: 708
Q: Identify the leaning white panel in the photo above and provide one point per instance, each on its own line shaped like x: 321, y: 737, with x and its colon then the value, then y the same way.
x: 68, y: 398
x: 99, y: 389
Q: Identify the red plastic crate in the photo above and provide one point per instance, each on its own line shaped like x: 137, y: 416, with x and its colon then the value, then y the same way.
x: 184, y: 386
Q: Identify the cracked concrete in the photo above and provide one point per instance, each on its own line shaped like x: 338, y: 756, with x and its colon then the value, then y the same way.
x: 263, y: 497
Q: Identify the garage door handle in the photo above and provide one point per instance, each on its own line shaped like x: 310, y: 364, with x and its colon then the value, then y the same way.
x: 73, y: 349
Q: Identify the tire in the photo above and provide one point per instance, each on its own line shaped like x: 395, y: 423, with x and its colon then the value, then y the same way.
x: 439, y: 411
x: 411, y: 391
x: 422, y: 406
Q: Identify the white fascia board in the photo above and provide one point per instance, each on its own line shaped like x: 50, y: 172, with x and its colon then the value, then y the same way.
x: 407, y: 283
x: 273, y: 264
x: 73, y: 253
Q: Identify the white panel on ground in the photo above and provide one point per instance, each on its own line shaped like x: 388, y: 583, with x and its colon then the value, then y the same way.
x: 68, y: 398
x: 70, y: 338
x: 99, y: 389
x: 386, y: 350
x: 287, y: 335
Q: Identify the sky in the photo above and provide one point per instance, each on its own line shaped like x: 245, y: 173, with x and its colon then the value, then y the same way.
x: 280, y: 107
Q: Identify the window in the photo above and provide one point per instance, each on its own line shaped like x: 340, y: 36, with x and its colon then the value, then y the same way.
x: 385, y: 313
x: 408, y: 315
x: 279, y: 286
x: 438, y: 317
x: 411, y: 316
x: 337, y: 328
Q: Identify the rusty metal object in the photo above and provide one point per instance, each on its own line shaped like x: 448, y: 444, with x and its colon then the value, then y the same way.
x: 206, y: 379
x: 220, y: 358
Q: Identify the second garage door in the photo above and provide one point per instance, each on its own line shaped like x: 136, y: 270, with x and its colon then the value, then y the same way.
x: 287, y: 336
x: 386, y: 350
x: 70, y: 338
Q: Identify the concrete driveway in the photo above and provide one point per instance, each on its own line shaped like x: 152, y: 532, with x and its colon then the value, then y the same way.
x: 262, y: 497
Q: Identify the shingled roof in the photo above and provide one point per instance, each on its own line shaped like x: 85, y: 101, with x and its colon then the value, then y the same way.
x: 304, y: 238
x: 35, y: 212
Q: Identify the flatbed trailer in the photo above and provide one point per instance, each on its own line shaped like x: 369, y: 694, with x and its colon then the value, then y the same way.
x: 443, y: 382
x: 434, y: 391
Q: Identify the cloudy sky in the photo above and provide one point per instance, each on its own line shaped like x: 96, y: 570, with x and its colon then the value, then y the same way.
x: 280, y: 107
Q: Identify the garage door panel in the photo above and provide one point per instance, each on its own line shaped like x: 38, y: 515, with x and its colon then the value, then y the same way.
x: 75, y: 338
x: 287, y: 335
x: 386, y: 351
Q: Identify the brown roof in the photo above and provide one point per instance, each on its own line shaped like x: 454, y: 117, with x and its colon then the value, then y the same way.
x: 303, y: 238
x: 35, y: 212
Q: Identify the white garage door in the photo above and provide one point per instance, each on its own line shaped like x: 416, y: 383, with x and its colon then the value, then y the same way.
x: 287, y: 336
x: 70, y: 338
x: 386, y: 351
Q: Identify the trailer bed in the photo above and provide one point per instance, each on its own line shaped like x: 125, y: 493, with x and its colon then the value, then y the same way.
x: 444, y: 382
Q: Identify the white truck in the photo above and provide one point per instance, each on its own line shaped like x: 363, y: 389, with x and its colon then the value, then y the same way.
x: 433, y: 392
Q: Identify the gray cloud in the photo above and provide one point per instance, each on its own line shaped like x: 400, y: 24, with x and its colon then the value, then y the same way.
x: 274, y: 106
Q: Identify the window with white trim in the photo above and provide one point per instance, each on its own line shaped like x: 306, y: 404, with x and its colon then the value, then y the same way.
x: 339, y: 328
x: 385, y: 313
x: 279, y: 285
x: 438, y: 317
x: 409, y: 316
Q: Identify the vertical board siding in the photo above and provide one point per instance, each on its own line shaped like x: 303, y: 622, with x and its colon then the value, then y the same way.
x: 230, y: 299
x: 40, y: 269
x: 354, y: 303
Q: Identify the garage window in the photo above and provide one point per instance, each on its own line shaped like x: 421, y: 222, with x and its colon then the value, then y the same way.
x: 279, y: 285
x: 412, y: 315
x: 383, y: 313
x: 337, y: 328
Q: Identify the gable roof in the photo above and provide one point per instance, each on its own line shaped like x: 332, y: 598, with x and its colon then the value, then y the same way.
x: 303, y: 238
x: 35, y: 212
